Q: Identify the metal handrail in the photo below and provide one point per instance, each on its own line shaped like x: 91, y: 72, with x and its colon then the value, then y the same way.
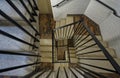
x: 109, y: 7
x: 57, y: 5
x: 98, y: 43
x: 68, y: 25
x: 58, y: 72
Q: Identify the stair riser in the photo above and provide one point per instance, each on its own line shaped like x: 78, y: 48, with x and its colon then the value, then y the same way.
x: 90, y: 43
x: 88, y: 38
x: 46, y: 54
x: 45, y: 42
x: 46, y: 59
x: 104, y: 64
x: 45, y: 48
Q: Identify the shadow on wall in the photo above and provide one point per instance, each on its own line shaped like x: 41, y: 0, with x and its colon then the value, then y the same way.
x: 115, y: 43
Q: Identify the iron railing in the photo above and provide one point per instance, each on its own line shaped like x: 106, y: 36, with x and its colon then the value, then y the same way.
x: 82, y: 35
x: 109, y: 7
x: 32, y: 13
x: 61, y: 3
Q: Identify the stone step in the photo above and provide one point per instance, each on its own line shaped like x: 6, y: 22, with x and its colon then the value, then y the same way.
x: 45, y: 48
x: 73, y: 60
x: 57, y: 24
x: 69, y: 19
x: 44, y: 59
x: 90, y: 43
x: 104, y: 64
x: 63, y: 33
x: 57, y: 65
x: 98, y: 54
x: 45, y: 42
x: 46, y: 54
x: 73, y: 55
x: 97, y: 36
x: 36, y: 74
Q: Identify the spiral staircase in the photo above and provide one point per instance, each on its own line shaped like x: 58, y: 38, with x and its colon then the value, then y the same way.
x: 76, y: 49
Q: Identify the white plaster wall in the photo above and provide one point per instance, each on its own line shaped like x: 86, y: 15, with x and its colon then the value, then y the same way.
x: 114, y: 4
x: 97, y: 12
x: 109, y: 24
x: 110, y: 30
x: 72, y: 7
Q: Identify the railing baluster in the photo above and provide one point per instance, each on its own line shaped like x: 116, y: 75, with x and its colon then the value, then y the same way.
x: 68, y: 25
x: 28, y: 11
x: 88, y: 73
x: 83, y: 39
x: 17, y: 67
x: 99, y: 75
x: 73, y: 73
x: 98, y: 67
x: 87, y: 47
x: 81, y: 73
x: 53, y: 46
x: 66, y: 73
x: 49, y: 73
x: 16, y: 24
x: 41, y: 73
x: 79, y: 27
x: 58, y: 72
x: 77, y: 46
x: 68, y: 51
x: 15, y: 38
x: 89, y: 52
x: 78, y: 41
x: 17, y: 53
x: 79, y: 33
x: 35, y: 5
x: 80, y: 37
x: 109, y: 57
x: 18, y: 11
x: 30, y: 74
x: 33, y: 10
x: 93, y: 59
x: 68, y: 31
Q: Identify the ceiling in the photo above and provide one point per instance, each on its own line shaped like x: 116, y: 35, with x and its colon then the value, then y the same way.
x: 45, y: 6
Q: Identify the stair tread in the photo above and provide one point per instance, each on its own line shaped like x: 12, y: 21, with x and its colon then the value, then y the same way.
x: 91, y: 42
x: 104, y: 64
x: 45, y: 42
